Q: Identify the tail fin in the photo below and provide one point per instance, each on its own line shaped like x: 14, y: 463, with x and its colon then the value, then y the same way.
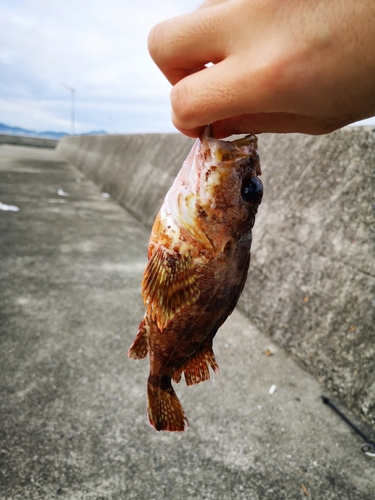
x: 165, y: 412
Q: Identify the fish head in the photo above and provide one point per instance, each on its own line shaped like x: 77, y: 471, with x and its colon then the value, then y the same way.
x: 216, y: 195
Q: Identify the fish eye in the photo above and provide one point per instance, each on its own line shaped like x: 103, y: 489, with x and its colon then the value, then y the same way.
x: 252, y: 190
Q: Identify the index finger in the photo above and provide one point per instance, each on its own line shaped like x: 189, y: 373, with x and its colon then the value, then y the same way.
x: 185, y: 44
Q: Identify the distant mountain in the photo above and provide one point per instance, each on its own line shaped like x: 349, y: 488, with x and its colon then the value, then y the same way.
x: 5, y: 129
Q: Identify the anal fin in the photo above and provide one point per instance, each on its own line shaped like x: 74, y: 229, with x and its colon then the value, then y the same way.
x: 196, y: 368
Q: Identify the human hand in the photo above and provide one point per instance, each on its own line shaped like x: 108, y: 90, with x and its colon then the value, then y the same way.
x: 290, y: 66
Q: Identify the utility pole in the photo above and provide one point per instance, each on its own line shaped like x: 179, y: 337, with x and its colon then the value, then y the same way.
x: 72, y: 91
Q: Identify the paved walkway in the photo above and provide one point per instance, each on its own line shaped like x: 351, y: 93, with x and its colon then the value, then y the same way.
x: 72, y: 408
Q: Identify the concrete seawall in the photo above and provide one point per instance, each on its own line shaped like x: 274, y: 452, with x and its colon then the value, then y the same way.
x: 136, y: 170
x: 25, y: 140
x: 311, y: 285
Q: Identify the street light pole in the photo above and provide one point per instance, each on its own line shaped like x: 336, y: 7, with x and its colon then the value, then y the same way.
x: 72, y: 90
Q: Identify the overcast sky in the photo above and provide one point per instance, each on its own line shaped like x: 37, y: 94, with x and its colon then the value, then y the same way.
x: 97, y: 47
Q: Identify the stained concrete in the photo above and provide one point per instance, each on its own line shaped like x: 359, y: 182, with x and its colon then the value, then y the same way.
x: 312, y: 279
x: 72, y: 406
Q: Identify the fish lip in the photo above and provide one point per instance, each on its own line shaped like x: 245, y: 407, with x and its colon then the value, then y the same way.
x: 223, y: 151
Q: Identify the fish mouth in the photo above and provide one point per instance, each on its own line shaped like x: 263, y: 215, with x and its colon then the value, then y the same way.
x: 223, y: 151
x: 193, y: 188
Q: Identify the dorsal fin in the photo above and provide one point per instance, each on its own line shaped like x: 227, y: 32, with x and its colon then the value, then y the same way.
x: 170, y: 283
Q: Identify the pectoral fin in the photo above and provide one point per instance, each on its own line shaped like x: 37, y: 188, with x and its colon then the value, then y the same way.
x: 170, y: 283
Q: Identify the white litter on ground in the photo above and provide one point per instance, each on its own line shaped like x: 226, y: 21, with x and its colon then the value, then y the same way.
x: 61, y: 192
x: 272, y: 389
x: 8, y: 208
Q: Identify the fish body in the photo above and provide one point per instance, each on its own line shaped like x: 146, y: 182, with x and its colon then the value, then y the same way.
x: 199, y: 255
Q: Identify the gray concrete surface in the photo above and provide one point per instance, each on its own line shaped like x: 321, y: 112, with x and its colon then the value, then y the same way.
x: 312, y: 280
x: 72, y: 409
x: 312, y: 285
x: 25, y: 140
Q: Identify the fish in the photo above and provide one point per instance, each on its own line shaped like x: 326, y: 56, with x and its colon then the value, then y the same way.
x: 198, y: 261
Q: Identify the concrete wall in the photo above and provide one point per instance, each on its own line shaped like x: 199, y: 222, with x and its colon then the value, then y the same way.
x: 312, y: 278
x: 312, y: 281
x: 136, y: 170
x: 23, y: 140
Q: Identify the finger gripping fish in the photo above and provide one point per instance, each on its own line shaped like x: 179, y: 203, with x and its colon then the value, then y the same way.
x: 199, y: 255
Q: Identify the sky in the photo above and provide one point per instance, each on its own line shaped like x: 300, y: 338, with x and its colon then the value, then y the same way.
x: 97, y: 47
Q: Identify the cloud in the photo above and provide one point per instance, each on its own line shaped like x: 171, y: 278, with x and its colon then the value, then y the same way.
x: 99, y: 47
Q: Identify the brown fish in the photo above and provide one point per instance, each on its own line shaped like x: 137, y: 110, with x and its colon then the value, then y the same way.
x: 199, y: 255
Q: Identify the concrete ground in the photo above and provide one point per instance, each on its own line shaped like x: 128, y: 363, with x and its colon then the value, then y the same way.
x: 72, y: 409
